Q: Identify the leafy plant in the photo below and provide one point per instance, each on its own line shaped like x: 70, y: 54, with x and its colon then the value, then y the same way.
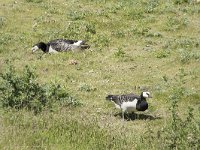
x: 119, y: 33
x: 86, y: 87
x: 182, y: 42
x: 135, y: 14
x: 79, y: 30
x: 182, y: 1
x: 162, y: 54
x: 34, y: 1
x: 174, y: 23
x: 151, y: 5
x: 23, y: 91
x: 119, y: 53
x: 186, y: 56
x: 2, y: 21
x: 101, y: 40
x: 76, y: 15
x: 181, y: 133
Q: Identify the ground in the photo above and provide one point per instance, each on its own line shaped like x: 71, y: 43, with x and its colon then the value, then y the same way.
x: 134, y: 45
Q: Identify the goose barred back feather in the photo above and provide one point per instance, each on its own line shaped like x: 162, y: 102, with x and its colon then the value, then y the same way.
x: 60, y: 45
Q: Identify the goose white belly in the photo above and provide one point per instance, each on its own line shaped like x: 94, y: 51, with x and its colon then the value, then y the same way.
x: 51, y: 50
x: 129, y: 106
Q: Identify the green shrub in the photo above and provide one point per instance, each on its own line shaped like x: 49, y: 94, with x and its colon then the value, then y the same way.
x: 182, y: 42
x: 179, y: 132
x: 101, y: 40
x: 151, y: 5
x: 23, y: 91
x: 162, y: 53
x: 34, y: 1
x: 2, y: 21
x: 77, y: 15
x: 85, y: 87
x: 119, y: 53
x: 79, y: 30
x: 186, y: 56
x: 175, y: 23
x: 135, y: 14
x: 182, y: 1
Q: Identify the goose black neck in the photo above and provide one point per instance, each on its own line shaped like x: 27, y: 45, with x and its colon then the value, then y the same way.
x: 142, y: 104
x: 43, y: 47
x: 142, y: 97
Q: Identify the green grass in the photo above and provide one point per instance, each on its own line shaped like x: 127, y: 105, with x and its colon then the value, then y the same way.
x: 134, y: 44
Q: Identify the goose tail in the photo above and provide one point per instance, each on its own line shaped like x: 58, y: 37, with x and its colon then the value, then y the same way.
x: 85, y: 46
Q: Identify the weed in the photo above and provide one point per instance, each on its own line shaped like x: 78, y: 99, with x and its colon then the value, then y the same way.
x: 184, y: 56
x: 119, y: 34
x: 151, y: 6
x: 187, y: 56
x: 79, y: 30
x: 34, y: 1
x: 135, y: 14
x: 174, y: 23
x: 182, y: 42
x: 139, y: 31
x: 118, y: 31
x: 178, y: 133
x: 2, y: 21
x: 85, y: 87
x: 101, y: 41
x: 24, y: 92
x: 115, y: 8
x: 162, y: 53
x: 181, y: 133
x: 4, y: 40
x: 195, y: 55
x: 154, y: 34
x: 182, y: 1
x: 76, y: 15
x: 119, y: 53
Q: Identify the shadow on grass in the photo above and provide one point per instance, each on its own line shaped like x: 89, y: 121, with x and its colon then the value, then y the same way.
x: 134, y: 116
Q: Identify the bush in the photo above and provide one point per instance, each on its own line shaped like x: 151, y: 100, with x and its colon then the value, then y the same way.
x: 179, y: 132
x: 34, y: 1
x: 22, y: 91
x: 162, y: 54
x: 2, y: 21
x: 79, y: 30
x: 182, y: 1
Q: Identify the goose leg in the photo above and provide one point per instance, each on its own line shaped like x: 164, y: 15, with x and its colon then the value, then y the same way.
x: 122, y: 115
x: 133, y: 116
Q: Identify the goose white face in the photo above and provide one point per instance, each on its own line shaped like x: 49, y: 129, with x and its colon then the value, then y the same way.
x: 34, y: 48
x: 146, y: 94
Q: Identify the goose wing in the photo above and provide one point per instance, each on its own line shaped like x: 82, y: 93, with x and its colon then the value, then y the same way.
x: 119, y: 99
x: 61, y: 44
x: 128, y: 97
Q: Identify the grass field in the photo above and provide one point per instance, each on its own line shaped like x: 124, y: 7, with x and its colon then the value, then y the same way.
x: 134, y: 45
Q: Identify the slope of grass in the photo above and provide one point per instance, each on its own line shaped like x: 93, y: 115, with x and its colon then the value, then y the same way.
x: 134, y: 45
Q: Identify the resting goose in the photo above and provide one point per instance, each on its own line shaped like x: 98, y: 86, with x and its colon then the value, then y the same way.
x: 130, y: 102
x: 60, y: 45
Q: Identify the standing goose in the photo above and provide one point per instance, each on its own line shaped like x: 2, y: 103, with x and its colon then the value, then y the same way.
x: 60, y: 45
x: 130, y: 102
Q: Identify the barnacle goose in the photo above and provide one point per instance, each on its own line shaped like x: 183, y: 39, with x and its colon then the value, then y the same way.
x: 130, y: 102
x: 60, y: 45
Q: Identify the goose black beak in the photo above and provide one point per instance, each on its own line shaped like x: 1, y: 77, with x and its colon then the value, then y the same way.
x: 150, y: 96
